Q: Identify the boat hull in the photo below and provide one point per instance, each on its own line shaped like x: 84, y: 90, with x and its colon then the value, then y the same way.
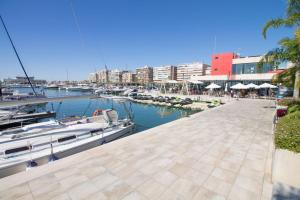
x: 21, y: 166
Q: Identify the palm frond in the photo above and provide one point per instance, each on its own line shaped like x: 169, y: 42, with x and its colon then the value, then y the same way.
x: 293, y: 7
x: 274, y: 23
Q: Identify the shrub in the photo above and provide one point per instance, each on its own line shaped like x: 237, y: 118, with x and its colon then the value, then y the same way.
x: 288, y: 102
x: 287, y: 133
x: 293, y: 108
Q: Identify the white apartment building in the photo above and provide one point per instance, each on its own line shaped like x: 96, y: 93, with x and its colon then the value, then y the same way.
x: 103, y: 76
x: 164, y: 73
x: 93, y: 78
x: 115, y: 76
x: 185, y: 71
x: 128, y: 77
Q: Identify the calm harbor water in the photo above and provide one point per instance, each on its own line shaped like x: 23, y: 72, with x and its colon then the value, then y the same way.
x: 145, y: 116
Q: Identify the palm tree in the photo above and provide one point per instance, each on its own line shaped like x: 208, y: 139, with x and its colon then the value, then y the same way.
x: 289, y: 49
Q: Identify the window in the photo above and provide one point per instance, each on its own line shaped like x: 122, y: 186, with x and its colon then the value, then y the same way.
x: 250, y: 68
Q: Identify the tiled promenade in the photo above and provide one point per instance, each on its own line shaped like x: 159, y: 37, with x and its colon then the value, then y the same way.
x: 223, y: 153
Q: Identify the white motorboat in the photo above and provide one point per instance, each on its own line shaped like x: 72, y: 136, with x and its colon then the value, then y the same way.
x: 40, y: 143
x: 52, y: 86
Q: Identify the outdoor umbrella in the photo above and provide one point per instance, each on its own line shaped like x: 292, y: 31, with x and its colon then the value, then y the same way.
x: 172, y: 81
x: 213, y: 86
x: 195, y: 82
x: 239, y: 86
x: 267, y: 85
x: 252, y: 85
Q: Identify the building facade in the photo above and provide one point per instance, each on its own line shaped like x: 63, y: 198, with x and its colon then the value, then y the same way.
x: 103, y: 76
x: 164, y: 73
x: 128, y: 77
x: 221, y: 64
x: 22, y: 80
x: 93, y: 78
x: 185, y: 71
x: 231, y: 68
x: 144, y: 74
x: 115, y: 76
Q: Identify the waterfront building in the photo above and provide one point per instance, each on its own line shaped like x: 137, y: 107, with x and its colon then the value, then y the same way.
x: 164, y: 73
x: 22, y: 80
x: 231, y: 68
x: 93, y: 78
x: 185, y: 71
x: 128, y: 77
x: 115, y: 76
x: 144, y: 74
x: 103, y: 76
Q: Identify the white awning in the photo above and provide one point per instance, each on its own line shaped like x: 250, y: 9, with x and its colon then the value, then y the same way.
x: 267, y: 85
x: 172, y: 81
x: 252, y: 85
x: 195, y: 82
x: 239, y: 86
x: 213, y: 86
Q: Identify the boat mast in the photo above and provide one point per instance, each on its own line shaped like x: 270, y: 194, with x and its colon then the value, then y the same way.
x: 12, y: 44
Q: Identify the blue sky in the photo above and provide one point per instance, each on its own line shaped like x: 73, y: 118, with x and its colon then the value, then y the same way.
x: 126, y: 34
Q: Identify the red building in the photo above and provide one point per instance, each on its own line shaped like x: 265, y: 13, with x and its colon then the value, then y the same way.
x: 222, y: 64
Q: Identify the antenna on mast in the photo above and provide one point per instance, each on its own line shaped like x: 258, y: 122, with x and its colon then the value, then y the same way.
x: 215, y: 44
x: 12, y: 44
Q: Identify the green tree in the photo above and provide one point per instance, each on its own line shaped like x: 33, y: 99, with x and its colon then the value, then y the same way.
x: 289, y: 49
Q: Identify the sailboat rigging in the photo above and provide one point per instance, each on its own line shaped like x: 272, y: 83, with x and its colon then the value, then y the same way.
x: 19, y: 59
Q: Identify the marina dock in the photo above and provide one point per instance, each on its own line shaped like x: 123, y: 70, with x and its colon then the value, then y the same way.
x: 5, y: 104
x: 221, y: 153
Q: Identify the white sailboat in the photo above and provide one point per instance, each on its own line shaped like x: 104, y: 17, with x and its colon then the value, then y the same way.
x: 43, y: 142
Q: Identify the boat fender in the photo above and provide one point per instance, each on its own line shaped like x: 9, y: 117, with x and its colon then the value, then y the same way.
x: 52, y: 158
x: 103, y: 142
x: 97, y: 112
x: 31, y: 164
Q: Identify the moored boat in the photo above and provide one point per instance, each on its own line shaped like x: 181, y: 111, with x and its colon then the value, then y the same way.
x: 41, y: 142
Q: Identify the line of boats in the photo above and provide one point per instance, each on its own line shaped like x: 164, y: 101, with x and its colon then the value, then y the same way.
x: 26, y: 142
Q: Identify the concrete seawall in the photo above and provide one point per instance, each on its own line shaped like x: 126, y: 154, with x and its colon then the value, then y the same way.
x: 222, y: 153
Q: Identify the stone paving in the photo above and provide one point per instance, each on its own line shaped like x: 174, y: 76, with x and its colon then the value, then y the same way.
x: 222, y: 153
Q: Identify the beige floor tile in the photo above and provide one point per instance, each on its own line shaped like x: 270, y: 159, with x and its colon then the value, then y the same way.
x: 203, y: 167
x: 71, y: 181
x: 62, y: 196
x: 117, y: 190
x: 150, y: 169
x: 251, y: 173
x: 204, y: 194
x: 104, y: 180
x: 249, y: 184
x: 186, y: 188
x: 93, y: 171
x: 209, y: 159
x: 136, y: 179
x: 24, y: 197
x: 267, y: 190
x: 165, y: 177
x: 82, y: 191
x: 217, y: 185
x: 151, y: 189
x: 15, y: 192
x: 63, y: 173
x: 224, y: 175
x: 179, y: 169
x: 231, y: 166
x: 196, y: 176
x: 97, y: 196
x: 134, y: 196
x: 171, y: 195
x: 240, y: 193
